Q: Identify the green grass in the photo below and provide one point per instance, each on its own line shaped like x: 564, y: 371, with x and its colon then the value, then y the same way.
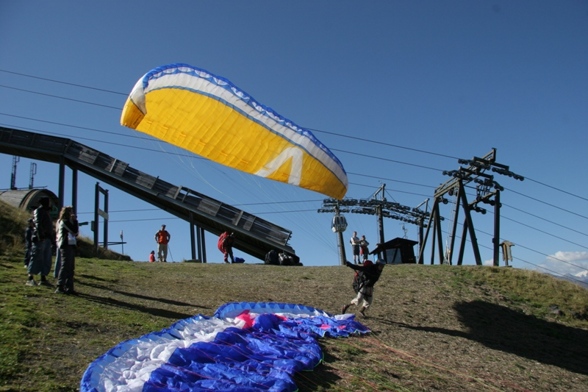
x: 444, y: 328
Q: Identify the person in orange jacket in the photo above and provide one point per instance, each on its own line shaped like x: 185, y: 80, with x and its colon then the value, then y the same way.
x: 162, y: 238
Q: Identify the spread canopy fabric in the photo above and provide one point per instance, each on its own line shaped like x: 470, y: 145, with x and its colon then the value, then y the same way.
x: 245, y: 346
x: 210, y: 116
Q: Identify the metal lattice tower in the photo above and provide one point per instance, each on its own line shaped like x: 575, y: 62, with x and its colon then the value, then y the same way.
x: 487, y: 192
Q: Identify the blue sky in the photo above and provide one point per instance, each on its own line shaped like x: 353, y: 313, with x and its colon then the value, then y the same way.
x: 398, y: 90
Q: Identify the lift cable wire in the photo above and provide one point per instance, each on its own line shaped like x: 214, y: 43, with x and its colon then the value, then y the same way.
x: 191, y: 155
x: 58, y: 97
x: 387, y: 160
x: 535, y: 251
x: 312, y: 129
x: 62, y: 82
x: 557, y: 189
x: 332, y: 133
x: 545, y: 232
x: 544, y: 219
x: 549, y: 204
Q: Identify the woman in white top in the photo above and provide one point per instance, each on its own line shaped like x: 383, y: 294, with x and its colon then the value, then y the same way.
x: 67, y: 232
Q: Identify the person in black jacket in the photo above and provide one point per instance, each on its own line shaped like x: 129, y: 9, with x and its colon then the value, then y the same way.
x: 369, y: 273
x: 43, y: 239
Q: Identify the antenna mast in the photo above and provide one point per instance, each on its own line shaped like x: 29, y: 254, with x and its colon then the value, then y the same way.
x: 32, y: 175
x: 15, y: 161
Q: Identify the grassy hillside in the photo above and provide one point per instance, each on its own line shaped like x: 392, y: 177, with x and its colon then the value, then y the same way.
x: 433, y: 327
x: 12, y: 226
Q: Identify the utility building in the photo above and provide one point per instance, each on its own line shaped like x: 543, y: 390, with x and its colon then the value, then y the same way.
x: 398, y: 251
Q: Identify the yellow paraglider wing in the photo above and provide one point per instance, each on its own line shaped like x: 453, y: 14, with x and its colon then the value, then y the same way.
x: 209, y: 116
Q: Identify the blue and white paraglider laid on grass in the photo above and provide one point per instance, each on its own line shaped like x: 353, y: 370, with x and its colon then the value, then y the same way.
x: 245, y: 346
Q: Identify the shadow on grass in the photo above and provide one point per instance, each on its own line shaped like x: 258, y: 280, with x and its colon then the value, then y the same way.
x: 155, y: 311
x: 10, y: 266
x: 321, y: 377
x: 501, y: 328
x: 86, y: 276
x: 144, y: 309
x: 134, y: 295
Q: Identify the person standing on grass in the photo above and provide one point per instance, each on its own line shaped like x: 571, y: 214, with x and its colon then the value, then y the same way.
x: 43, y: 240
x: 225, y: 245
x: 370, y: 273
x: 363, y: 248
x: 162, y: 238
x: 67, y: 232
x: 355, y: 247
x: 57, y: 267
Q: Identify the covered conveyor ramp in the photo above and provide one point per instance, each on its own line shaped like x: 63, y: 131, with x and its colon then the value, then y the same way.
x: 255, y: 236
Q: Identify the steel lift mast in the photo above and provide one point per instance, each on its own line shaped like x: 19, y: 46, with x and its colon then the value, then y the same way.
x: 487, y: 192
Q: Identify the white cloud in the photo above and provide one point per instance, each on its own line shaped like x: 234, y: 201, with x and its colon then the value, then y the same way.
x: 565, y: 262
x: 489, y: 263
x: 570, y: 256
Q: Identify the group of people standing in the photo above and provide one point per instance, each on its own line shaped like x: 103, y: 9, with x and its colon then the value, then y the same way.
x: 162, y: 238
x: 41, y: 238
x: 359, y: 248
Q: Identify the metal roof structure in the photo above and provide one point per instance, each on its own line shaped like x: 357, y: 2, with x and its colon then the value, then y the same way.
x: 255, y: 236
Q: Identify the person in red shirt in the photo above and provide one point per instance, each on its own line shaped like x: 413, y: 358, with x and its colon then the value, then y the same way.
x: 225, y: 245
x: 162, y: 238
x: 152, y: 257
x: 363, y: 248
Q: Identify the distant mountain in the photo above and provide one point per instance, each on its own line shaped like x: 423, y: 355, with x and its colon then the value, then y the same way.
x: 581, y: 278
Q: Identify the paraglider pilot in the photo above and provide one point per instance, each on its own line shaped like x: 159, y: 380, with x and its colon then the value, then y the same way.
x: 368, y: 275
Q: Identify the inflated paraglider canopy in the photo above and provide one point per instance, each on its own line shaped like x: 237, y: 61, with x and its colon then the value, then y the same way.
x: 210, y: 116
x: 245, y: 346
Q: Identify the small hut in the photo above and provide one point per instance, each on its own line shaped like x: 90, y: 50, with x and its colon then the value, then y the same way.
x: 398, y: 251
